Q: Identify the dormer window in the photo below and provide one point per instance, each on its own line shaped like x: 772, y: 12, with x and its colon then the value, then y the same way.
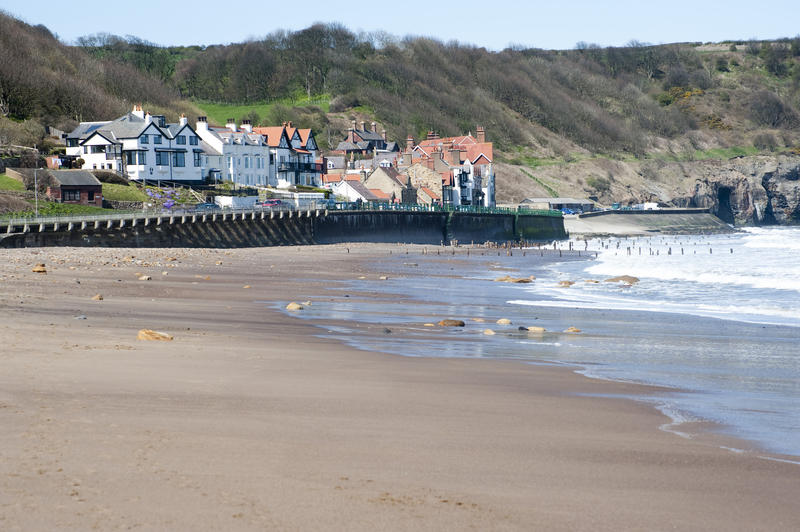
x: 156, y: 139
x: 145, y: 139
x: 181, y: 139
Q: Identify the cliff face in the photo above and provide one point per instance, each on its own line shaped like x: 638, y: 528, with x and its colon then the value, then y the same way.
x: 747, y: 191
x: 757, y: 190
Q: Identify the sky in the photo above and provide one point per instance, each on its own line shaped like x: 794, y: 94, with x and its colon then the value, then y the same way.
x: 492, y: 24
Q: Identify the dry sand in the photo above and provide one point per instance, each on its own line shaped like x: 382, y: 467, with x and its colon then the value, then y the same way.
x: 248, y: 421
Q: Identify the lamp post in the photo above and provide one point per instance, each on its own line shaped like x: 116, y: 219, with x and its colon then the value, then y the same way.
x: 36, y: 192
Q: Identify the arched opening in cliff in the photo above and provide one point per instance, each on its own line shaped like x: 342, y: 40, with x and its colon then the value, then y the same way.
x: 724, y: 210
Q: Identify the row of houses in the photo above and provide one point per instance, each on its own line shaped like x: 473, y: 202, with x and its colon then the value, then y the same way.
x: 450, y: 171
x: 144, y: 147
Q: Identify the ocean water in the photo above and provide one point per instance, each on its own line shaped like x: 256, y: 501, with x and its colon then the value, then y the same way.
x: 715, y: 318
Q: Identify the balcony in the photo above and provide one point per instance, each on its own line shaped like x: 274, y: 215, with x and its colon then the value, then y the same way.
x: 299, y: 167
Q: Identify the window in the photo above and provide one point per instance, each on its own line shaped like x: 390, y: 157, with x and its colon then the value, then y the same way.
x: 156, y: 139
x: 86, y: 149
x: 91, y: 195
x: 193, y: 140
x: 181, y: 139
x: 144, y: 139
x: 130, y: 158
x: 197, y: 155
x: 178, y: 159
x: 70, y: 195
x: 98, y: 149
x: 71, y: 143
x: 247, y: 162
x: 162, y: 158
x: 142, y: 158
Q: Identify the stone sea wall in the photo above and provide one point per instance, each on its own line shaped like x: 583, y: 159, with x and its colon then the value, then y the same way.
x: 307, y: 228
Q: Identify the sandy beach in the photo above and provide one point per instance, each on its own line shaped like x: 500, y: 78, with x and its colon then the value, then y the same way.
x: 249, y: 420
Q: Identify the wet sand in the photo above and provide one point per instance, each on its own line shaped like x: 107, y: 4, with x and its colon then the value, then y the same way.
x: 248, y: 420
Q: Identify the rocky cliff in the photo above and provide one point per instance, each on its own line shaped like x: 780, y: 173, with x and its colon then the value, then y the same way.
x: 747, y: 191
x: 757, y: 190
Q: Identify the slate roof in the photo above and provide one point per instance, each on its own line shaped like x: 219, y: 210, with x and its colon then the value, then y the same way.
x: 366, y: 134
x: 74, y: 178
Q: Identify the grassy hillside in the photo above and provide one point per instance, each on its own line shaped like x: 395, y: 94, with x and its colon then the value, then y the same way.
x: 546, y: 110
x: 46, y: 83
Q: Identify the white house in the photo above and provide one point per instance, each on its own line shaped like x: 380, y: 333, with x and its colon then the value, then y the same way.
x: 294, y: 155
x: 139, y: 146
x: 233, y: 154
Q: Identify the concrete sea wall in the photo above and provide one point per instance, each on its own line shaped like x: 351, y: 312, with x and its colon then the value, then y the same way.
x: 299, y: 228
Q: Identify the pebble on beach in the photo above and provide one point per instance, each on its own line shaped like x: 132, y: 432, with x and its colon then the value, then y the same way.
x: 451, y: 323
x: 536, y: 330
x: 97, y: 297
x: 39, y: 268
x: 294, y: 306
x: 145, y: 278
x: 148, y: 334
x: 504, y: 321
x: 572, y: 330
x: 488, y: 332
x: 565, y: 284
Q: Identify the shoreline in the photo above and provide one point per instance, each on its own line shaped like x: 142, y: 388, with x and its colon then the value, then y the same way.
x: 248, y: 416
x: 681, y: 423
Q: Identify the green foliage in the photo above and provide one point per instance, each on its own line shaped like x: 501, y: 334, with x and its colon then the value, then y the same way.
x: 116, y: 192
x: 105, y: 176
x: 266, y: 113
x: 599, y: 184
x: 51, y: 208
x: 9, y: 183
x: 722, y: 64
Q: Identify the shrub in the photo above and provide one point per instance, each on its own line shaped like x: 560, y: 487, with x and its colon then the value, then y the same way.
x: 767, y: 109
x: 109, y: 177
x: 765, y: 141
x: 722, y: 64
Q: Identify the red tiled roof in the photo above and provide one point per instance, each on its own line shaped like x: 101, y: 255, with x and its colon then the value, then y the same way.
x: 485, y: 149
x: 331, y: 178
x: 352, y: 177
x: 302, y: 151
x: 431, y: 194
x: 447, y: 179
x: 379, y: 193
x: 273, y: 134
x: 304, y: 134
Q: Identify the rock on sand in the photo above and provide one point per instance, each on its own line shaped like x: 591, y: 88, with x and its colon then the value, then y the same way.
x: 294, y: 306
x: 504, y: 321
x: 565, y: 284
x: 488, y: 332
x: 147, y: 334
x: 97, y: 297
x: 572, y: 330
x: 628, y: 279
x: 451, y: 323
x: 537, y: 330
x: 39, y: 268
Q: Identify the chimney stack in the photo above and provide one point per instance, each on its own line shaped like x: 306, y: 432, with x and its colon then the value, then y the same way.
x: 247, y: 126
x: 409, y: 144
x: 137, y: 111
x: 231, y: 124
x: 202, y: 123
x: 374, y: 127
x: 148, y: 118
x: 481, y: 134
x: 383, y: 134
x: 183, y: 120
x: 363, y: 125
